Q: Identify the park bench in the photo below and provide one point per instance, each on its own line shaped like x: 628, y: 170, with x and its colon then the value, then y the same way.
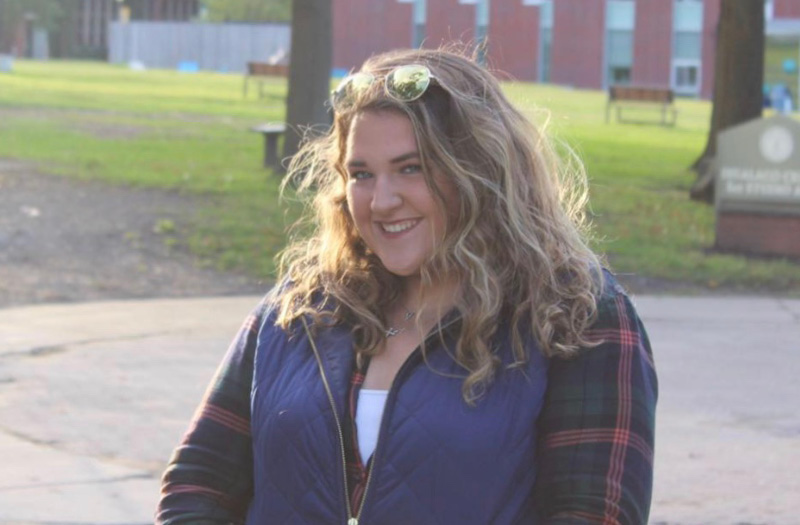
x: 258, y: 71
x: 661, y: 98
x: 271, y: 132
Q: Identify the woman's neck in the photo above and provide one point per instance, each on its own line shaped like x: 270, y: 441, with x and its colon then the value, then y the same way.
x: 434, y: 300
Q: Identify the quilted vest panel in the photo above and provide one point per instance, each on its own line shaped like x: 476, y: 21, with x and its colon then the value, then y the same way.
x: 438, y: 461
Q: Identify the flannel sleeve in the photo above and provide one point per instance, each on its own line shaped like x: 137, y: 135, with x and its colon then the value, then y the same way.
x: 596, y: 430
x: 209, y: 479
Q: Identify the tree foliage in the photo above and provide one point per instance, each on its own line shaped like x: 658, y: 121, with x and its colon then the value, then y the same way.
x: 248, y: 10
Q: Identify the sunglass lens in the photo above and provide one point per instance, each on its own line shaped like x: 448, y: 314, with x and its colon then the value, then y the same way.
x: 349, y: 88
x: 407, y: 83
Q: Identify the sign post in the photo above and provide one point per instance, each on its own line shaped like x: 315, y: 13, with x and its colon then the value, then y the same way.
x: 757, y: 190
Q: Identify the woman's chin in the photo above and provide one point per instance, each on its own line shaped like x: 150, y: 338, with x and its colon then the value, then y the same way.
x: 404, y: 272
x: 400, y: 270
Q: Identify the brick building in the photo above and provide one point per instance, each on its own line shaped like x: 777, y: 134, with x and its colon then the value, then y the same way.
x: 581, y: 43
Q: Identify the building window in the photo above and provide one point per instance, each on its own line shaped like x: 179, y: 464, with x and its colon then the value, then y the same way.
x: 686, y: 76
x: 481, y: 44
x: 620, y: 20
x: 418, y: 9
x: 418, y: 35
x: 481, y: 28
x: 688, y: 15
x: 619, y: 75
x: 545, y: 38
x: 687, y: 47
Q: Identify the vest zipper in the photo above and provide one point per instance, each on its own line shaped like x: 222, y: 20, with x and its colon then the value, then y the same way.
x: 351, y: 518
x: 410, y: 361
x: 389, y: 398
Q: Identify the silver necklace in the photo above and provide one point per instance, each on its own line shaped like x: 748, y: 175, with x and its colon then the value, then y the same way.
x: 392, y: 331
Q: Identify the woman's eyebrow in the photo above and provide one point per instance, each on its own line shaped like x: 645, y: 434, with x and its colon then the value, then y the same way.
x: 356, y: 163
x: 404, y: 157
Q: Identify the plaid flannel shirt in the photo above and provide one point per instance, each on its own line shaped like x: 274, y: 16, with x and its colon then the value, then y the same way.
x: 596, y: 431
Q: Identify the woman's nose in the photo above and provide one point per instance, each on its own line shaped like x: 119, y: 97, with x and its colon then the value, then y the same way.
x: 385, y: 196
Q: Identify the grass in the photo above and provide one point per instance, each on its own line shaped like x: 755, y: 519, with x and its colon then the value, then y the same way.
x: 182, y: 132
x: 188, y: 133
x: 640, y: 180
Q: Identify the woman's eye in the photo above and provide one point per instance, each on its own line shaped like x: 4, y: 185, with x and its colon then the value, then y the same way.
x: 359, y: 175
x: 411, y: 168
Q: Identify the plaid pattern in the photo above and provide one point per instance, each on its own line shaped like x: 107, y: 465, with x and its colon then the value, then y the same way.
x: 595, y: 433
x: 209, y: 478
x: 597, y: 423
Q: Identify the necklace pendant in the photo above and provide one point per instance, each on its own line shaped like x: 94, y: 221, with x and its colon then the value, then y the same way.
x: 352, y: 521
x: 391, y: 332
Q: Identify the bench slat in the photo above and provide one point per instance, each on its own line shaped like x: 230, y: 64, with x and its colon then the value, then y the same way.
x: 642, y: 96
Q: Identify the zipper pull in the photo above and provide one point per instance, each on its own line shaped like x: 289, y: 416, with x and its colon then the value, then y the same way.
x: 352, y: 521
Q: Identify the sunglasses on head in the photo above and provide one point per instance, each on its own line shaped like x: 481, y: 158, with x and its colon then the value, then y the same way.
x: 403, y: 83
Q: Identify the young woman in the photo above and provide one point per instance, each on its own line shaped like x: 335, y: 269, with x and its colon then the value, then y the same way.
x: 444, y: 348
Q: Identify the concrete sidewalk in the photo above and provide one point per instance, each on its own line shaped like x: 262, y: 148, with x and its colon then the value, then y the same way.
x: 93, y: 397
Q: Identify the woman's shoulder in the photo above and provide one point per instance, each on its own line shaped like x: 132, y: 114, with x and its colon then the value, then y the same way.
x: 616, y: 345
x: 612, y: 297
x: 268, y: 308
x: 276, y: 306
x: 617, y: 325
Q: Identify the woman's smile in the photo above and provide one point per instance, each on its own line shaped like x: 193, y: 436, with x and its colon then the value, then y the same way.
x: 398, y: 227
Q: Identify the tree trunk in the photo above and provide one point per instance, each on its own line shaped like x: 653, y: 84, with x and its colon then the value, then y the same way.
x: 738, y: 81
x: 309, y: 71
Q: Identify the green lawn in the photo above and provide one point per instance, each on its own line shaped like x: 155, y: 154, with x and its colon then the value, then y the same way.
x: 188, y: 132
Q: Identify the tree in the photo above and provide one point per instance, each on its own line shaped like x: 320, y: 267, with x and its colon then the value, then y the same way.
x: 738, y: 81
x: 248, y: 10
x: 309, y: 70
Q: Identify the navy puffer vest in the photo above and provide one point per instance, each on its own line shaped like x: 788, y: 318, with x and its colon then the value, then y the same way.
x: 438, y: 460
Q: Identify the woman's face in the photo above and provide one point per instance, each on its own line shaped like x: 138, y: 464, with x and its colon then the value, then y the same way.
x: 395, y: 212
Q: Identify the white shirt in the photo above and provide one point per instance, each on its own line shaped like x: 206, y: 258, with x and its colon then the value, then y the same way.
x: 369, y: 412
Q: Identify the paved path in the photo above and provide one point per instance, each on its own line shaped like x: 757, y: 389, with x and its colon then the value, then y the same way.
x: 94, y: 396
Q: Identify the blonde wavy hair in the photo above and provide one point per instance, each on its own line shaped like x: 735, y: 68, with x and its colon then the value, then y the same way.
x: 516, y: 245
